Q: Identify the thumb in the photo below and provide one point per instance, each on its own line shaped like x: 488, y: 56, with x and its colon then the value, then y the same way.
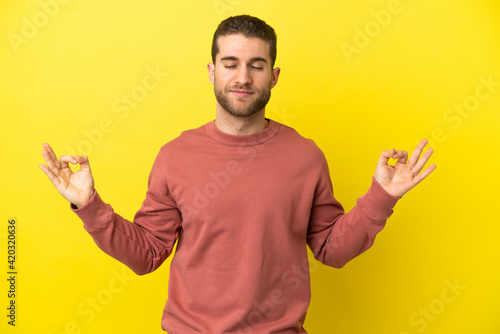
x: 84, y: 162
x: 385, y: 156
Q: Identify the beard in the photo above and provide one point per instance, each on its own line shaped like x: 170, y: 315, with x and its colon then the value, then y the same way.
x: 242, y: 108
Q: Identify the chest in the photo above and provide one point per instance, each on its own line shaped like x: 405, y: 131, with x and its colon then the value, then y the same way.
x: 250, y: 189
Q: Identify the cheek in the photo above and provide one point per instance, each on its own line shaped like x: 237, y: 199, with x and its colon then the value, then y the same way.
x: 264, y: 82
x: 221, y: 78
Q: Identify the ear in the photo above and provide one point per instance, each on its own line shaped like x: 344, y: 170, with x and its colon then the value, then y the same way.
x: 276, y: 74
x: 211, y: 72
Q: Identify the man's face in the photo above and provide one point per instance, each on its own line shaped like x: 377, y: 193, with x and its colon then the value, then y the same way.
x: 242, y: 76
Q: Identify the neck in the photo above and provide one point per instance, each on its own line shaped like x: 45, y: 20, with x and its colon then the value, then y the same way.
x: 239, y: 126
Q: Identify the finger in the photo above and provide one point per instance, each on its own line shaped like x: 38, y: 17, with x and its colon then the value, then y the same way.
x: 65, y: 160
x: 402, y: 156
x: 424, y: 174
x: 54, y: 166
x: 51, y: 152
x: 50, y: 175
x: 423, y: 160
x: 416, y: 153
x: 84, y: 162
x: 385, y: 156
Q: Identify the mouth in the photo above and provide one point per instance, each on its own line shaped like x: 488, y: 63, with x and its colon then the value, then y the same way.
x: 241, y: 93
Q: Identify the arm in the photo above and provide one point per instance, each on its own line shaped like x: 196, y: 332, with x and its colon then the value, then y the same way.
x: 142, y: 245
x: 336, y: 237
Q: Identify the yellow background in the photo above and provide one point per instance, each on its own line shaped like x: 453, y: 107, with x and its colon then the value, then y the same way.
x: 61, y: 81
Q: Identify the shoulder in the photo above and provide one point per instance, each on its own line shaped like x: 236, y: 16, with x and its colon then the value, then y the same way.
x: 186, y: 139
x: 184, y: 145
x: 300, y: 145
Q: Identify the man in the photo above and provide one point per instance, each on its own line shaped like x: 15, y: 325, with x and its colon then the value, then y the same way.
x: 242, y: 196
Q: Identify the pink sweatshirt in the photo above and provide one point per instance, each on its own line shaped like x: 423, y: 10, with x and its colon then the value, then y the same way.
x: 242, y: 210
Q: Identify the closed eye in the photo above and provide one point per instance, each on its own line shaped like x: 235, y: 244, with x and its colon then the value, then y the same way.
x: 254, y: 67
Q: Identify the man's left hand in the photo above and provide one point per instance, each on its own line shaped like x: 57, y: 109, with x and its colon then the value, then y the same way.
x: 397, y: 180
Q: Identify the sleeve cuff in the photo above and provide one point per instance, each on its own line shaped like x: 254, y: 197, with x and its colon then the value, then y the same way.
x: 94, y: 214
x: 378, y: 201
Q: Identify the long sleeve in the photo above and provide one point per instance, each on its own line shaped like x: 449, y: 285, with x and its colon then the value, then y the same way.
x: 249, y: 205
x: 336, y: 237
x: 144, y: 244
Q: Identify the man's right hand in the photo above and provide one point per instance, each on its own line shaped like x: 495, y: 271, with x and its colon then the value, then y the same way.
x: 77, y: 187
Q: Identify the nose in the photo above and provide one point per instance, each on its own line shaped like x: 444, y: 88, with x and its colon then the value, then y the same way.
x: 243, y: 76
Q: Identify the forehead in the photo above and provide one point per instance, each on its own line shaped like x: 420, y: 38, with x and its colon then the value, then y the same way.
x: 240, y: 46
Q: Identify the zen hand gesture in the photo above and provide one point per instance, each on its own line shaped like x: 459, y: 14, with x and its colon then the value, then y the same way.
x: 77, y: 187
x: 400, y: 178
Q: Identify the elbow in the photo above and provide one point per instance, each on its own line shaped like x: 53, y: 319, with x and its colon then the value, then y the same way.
x: 337, y: 264
x: 151, y: 264
x: 140, y: 272
x: 142, y: 268
x: 332, y: 261
x: 145, y: 269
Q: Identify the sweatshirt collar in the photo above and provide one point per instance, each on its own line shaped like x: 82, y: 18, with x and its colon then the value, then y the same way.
x: 245, y: 140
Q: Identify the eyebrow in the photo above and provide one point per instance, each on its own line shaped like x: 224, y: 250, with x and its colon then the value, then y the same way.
x: 251, y: 59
